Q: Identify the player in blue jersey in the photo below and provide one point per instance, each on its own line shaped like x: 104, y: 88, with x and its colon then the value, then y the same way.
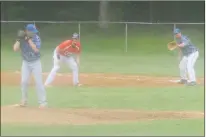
x: 188, y: 53
x: 30, y: 45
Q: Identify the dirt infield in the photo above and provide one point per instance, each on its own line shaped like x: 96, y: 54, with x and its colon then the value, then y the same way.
x: 50, y: 116
x: 10, y: 114
x: 98, y: 80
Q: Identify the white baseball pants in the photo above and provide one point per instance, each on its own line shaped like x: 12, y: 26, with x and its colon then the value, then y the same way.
x: 72, y: 64
x: 186, y: 66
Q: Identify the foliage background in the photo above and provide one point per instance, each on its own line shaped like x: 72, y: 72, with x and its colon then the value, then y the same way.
x: 139, y: 11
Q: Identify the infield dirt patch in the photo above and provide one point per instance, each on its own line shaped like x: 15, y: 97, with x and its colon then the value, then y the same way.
x: 50, y: 116
x: 11, y: 114
x: 98, y: 80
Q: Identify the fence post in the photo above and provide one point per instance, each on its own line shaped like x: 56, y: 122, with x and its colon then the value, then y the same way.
x: 126, y: 44
x: 37, y: 28
x: 79, y: 28
x: 174, y: 27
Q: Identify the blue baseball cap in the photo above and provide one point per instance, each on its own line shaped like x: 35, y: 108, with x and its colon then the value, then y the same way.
x: 32, y: 28
x: 176, y: 31
x: 75, y: 36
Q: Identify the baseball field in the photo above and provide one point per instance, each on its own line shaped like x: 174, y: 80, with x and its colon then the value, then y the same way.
x: 123, y: 93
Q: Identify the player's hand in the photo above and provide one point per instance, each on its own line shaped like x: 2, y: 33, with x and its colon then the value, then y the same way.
x: 27, y: 38
x: 29, y: 35
x: 58, y: 56
x: 74, y: 44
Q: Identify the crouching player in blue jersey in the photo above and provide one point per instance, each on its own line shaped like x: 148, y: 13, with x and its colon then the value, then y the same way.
x: 188, y: 54
x: 29, y: 43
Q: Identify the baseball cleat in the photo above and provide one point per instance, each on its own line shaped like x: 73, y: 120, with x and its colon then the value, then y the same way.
x: 182, y: 81
x: 193, y: 83
x: 78, y: 85
x: 43, y: 106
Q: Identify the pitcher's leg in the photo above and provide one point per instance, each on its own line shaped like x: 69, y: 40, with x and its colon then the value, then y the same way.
x: 25, y: 76
x: 52, y: 74
x: 37, y: 72
x: 183, y: 70
x: 190, y: 66
x: 75, y: 70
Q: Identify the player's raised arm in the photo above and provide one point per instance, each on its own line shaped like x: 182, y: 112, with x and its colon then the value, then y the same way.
x: 32, y: 38
x: 20, y: 36
x: 33, y: 46
x: 16, y: 46
x: 33, y: 43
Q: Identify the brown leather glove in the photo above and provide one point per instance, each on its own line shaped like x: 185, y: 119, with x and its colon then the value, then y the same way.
x: 172, y: 45
x: 20, y: 35
x: 29, y: 35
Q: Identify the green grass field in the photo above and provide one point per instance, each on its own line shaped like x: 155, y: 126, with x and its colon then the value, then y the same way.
x: 103, y: 52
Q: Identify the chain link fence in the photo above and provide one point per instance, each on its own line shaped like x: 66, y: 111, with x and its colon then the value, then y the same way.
x: 117, y: 36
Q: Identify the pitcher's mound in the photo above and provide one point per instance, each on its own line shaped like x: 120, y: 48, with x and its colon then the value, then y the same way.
x: 86, y: 116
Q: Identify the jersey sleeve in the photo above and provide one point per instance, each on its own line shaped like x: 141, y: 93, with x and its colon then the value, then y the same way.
x: 64, y: 44
x: 37, y: 41
x: 186, y: 41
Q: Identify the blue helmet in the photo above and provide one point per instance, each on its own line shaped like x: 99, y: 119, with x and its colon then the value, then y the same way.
x: 32, y: 28
x: 176, y: 31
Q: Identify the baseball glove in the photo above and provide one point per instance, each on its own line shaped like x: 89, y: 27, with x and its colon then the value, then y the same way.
x: 21, y: 34
x: 29, y: 35
x: 172, y: 45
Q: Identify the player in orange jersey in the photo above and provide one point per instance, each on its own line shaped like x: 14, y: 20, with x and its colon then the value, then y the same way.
x: 67, y: 52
